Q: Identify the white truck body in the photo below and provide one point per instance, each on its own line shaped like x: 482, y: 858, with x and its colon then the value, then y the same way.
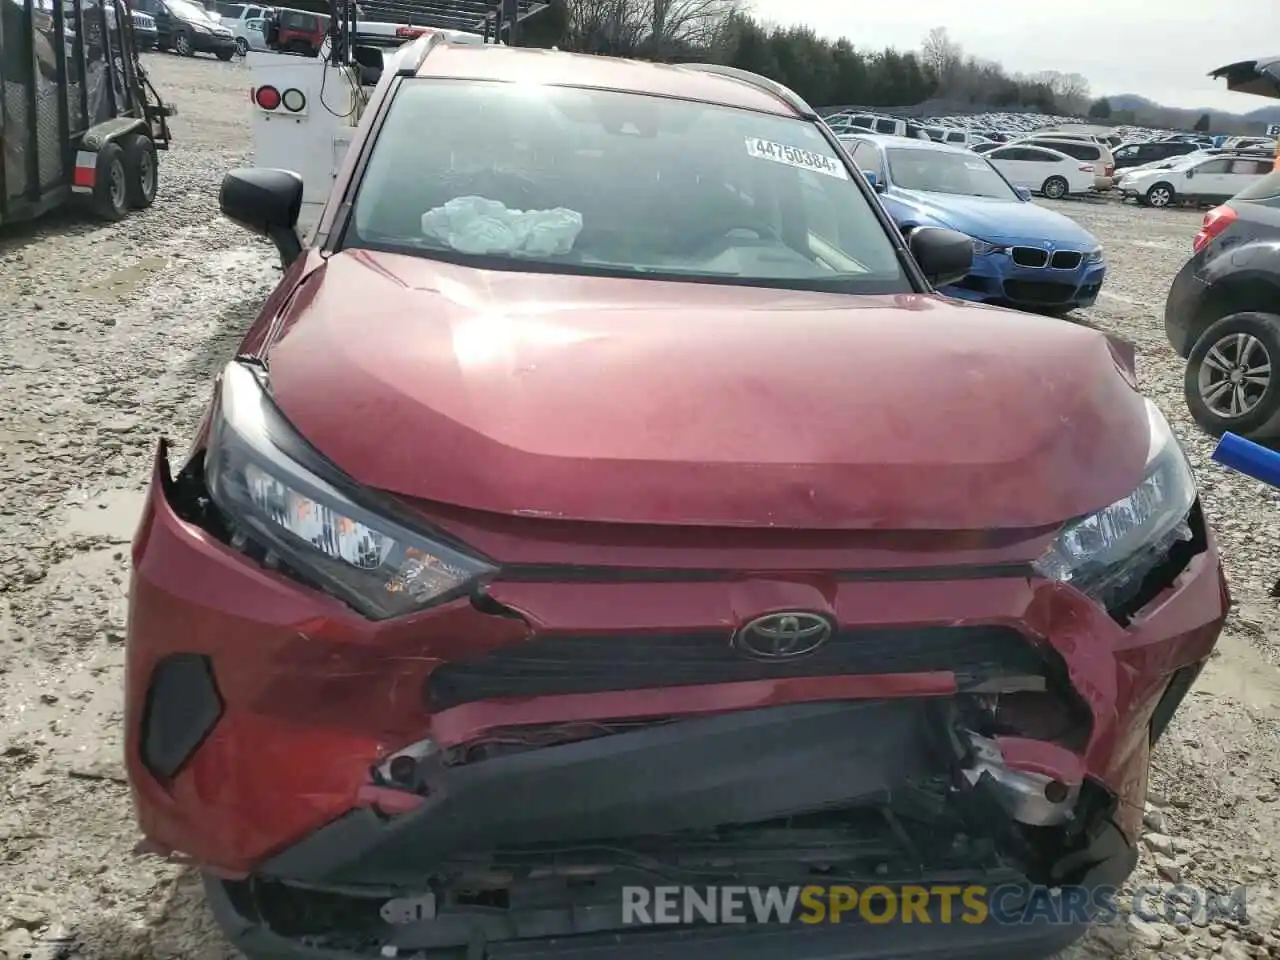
x: 312, y: 139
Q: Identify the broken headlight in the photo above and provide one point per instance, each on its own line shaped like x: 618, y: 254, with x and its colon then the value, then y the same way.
x: 1109, y: 553
x: 278, y: 491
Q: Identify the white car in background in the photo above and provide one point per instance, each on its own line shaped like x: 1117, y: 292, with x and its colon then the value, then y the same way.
x: 1048, y: 172
x: 247, y: 22
x: 1199, y: 178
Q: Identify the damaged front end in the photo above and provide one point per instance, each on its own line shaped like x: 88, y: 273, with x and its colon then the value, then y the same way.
x: 386, y: 741
x: 535, y: 833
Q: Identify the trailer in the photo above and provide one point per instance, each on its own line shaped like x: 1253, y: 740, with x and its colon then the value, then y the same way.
x: 306, y: 110
x: 79, y: 120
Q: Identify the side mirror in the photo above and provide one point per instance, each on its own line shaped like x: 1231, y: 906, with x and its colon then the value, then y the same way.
x: 267, y: 203
x: 1023, y: 194
x: 944, y: 256
x: 1191, y: 173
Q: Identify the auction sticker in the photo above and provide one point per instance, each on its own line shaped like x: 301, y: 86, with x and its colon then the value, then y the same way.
x: 795, y: 157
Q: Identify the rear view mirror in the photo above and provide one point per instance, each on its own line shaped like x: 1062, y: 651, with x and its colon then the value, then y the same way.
x: 944, y: 256
x: 267, y: 203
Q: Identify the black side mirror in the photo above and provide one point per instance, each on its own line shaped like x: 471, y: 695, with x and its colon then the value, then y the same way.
x: 370, y: 62
x: 944, y: 256
x: 1191, y: 173
x: 267, y: 203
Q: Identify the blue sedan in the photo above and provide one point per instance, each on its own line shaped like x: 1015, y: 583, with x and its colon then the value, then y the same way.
x: 1024, y: 254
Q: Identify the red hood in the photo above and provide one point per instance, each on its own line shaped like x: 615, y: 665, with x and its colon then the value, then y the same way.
x: 653, y: 402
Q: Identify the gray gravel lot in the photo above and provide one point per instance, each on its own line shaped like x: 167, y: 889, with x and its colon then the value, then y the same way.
x: 108, y: 337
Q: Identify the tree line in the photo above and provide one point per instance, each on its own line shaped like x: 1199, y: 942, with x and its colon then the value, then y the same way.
x: 824, y: 72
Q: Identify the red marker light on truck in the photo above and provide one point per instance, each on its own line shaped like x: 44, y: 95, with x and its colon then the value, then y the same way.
x: 268, y: 98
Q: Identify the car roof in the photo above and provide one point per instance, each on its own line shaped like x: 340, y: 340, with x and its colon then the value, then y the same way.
x: 910, y: 143
x: 558, y: 68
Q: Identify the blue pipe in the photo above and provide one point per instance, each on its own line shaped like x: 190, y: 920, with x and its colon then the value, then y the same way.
x: 1249, y: 458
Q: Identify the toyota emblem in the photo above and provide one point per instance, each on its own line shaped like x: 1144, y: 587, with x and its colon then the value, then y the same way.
x: 782, y: 636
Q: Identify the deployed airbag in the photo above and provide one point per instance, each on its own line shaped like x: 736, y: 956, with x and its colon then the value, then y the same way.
x: 480, y: 226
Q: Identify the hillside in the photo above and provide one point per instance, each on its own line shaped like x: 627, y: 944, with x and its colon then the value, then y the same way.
x: 1186, y: 118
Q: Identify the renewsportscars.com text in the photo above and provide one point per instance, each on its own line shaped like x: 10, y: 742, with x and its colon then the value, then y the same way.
x: 973, y: 904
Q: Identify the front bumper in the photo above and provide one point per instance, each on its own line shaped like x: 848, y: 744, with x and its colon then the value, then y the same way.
x: 256, y: 710
x: 995, y: 278
x: 212, y: 42
x: 146, y: 39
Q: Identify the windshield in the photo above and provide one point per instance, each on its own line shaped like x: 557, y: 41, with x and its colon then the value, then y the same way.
x: 570, y: 180
x: 186, y: 11
x: 966, y: 175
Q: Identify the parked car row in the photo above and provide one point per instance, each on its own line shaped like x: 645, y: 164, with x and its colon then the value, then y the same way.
x: 187, y: 28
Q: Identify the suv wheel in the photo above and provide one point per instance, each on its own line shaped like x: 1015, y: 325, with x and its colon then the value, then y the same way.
x: 1228, y: 383
x: 1161, y: 195
x: 182, y: 45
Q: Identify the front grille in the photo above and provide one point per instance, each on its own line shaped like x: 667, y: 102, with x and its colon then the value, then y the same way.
x: 595, y: 663
x: 1029, y: 256
x: 1066, y: 260
x: 1038, y: 291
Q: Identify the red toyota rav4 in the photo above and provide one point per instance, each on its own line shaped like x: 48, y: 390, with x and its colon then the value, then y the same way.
x: 605, y: 498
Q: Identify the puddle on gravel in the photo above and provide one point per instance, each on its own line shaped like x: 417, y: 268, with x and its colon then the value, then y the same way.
x: 124, y: 283
x: 1240, y: 673
x: 113, y: 515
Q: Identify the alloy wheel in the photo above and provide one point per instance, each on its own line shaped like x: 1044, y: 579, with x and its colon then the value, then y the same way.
x: 1159, y: 197
x: 1234, y: 375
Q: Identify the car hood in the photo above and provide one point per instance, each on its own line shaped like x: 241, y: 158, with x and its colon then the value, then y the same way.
x: 647, y: 401
x: 991, y: 219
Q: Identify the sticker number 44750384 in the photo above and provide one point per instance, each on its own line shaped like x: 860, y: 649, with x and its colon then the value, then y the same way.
x: 795, y: 157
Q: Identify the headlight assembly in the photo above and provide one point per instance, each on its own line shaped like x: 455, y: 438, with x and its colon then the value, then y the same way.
x: 275, y: 489
x: 1109, y: 553
x: 981, y: 248
x: 1094, y: 255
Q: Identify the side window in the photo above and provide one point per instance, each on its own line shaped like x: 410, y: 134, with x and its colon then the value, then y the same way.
x: 1251, y: 168
x: 867, y: 158
x: 1124, y: 153
x: 862, y: 120
x: 886, y: 126
x: 1081, y: 151
x: 1213, y: 166
x: 1039, y: 156
x: 955, y: 136
x: 1009, y: 153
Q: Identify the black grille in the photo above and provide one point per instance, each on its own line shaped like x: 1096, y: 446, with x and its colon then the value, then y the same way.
x: 1066, y: 260
x: 564, y: 664
x: 1038, y: 291
x: 1029, y: 256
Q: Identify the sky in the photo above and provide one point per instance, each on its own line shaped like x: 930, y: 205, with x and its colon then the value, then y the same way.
x: 1160, y: 49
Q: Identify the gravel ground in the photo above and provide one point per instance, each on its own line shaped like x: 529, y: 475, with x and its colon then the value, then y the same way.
x: 110, y: 337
